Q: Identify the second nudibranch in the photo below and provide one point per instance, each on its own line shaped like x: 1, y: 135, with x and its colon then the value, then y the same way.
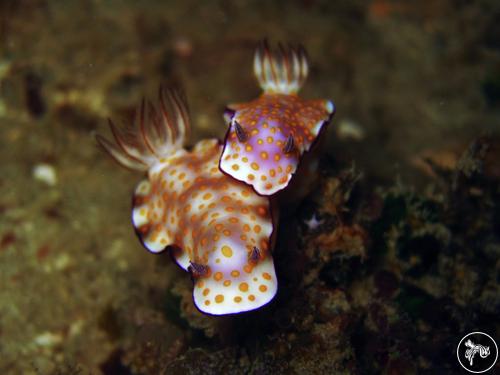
x: 268, y: 136
x: 216, y: 227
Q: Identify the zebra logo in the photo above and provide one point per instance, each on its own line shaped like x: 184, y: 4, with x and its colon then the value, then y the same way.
x: 484, y: 351
x: 477, y: 352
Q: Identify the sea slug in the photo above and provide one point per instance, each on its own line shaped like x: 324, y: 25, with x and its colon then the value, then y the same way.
x: 268, y: 136
x: 215, y: 227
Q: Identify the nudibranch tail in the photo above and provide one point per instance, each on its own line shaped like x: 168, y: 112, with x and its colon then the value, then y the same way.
x: 282, y: 71
x: 156, y: 134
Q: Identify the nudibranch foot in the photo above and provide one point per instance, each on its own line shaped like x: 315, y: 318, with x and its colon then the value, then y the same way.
x: 268, y: 136
x: 210, y: 222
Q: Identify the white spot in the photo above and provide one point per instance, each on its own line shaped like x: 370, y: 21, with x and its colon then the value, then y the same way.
x: 48, y: 339
x: 330, y: 107
x: 313, y: 223
x: 350, y: 130
x: 45, y: 173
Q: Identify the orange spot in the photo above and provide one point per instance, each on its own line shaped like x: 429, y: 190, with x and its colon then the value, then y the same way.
x: 270, y: 139
x: 207, y: 196
x: 218, y: 276
x: 227, y: 282
x: 207, y: 302
x: 227, y: 232
x: 268, y: 186
x: 219, y: 298
x: 244, y: 159
x: 229, y: 209
x: 243, y: 287
x: 233, y: 220
x: 288, y: 169
x: 235, y: 273
x: 206, y: 291
x: 182, y: 175
x: 227, y: 251
x: 187, y: 208
x: 251, y: 177
x: 263, y: 177
x: 237, y: 299
x: 247, y: 268
x: 261, y: 211
x: 255, y: 166
x: 277, y: 157
x: 251, y: 297
x: 219, y: 227
x: 248, y: 148
x: 235, y: 167
x: 260, y: 141
x: 266, y: 276
x: 263, y: 288
x: 246, y: 228
x: 243, y: 237
x: 256, y: 229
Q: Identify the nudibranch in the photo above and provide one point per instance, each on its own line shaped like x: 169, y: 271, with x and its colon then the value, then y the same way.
x: 215, y: 227
x: 268, y: 136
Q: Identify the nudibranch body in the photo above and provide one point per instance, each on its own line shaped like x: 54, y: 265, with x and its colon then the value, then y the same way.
x: 216, y: 227
x: 268, y: 136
